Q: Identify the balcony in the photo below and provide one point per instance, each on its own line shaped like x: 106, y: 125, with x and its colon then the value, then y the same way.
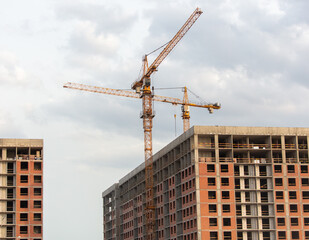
x: 207, y: 159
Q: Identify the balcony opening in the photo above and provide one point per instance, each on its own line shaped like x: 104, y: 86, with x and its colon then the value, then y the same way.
x: 293, y: 208
x: 227, y: 235
x: 278, y: 168
x: 37, y: 166
x: 294, y: 221
x: 212, y: 208
x: 281, y: 221
x: 24, y: 192
x: 37, y: 217
x: 211, y: 182
x: 37, y: 229
x: 37, y: 191
x: 226, y: 208
x: 291, y: 169
x: 10, y: 167
x: 226, y: 222
x: 24, y: 204
x: 23, y: 229
x: 211, y: 195
x: 305, y: 182
x: 210, y: 168
x: 225, y: 195
x: 224, y: 168
x: 23, y: 217
x: 24, y: 178
x: 24, y: 166
x: 37, y: 179
x: 213, y: 222
x: 225, y: 181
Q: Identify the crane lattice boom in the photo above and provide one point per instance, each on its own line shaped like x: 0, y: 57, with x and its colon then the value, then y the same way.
x: 179, y: 35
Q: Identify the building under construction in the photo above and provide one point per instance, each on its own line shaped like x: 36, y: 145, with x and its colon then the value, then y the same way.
x: 21, y: 189
x: 219, y: 183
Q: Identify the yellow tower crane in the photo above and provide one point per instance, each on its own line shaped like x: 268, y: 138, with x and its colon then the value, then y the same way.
x: 131, y: 94
x: 143, y: 90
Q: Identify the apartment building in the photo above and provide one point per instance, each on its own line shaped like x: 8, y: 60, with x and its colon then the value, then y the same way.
x: 21, y: 189
x: 216, y: 182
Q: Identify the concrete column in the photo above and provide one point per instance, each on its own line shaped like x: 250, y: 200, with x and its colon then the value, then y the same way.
x: 197, y: 185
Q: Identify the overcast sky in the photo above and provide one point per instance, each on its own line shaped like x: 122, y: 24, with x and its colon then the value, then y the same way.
x: 251, y: 56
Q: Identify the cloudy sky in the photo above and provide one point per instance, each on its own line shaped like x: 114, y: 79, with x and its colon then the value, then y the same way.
x: 251, y: 56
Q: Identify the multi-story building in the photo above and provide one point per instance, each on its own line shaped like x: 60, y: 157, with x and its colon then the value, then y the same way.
x: 21, y: 189
x: 219, y: 183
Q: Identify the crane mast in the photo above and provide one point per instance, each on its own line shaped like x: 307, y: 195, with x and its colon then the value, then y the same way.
x: 144, y: 84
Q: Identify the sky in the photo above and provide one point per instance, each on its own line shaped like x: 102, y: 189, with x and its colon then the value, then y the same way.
x: 251, y: 56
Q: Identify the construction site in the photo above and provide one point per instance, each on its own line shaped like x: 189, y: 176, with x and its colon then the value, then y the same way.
x: 212, y: 182
x: 218, y: 183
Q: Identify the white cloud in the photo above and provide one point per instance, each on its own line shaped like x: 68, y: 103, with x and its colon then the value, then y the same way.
x: 10, y: 71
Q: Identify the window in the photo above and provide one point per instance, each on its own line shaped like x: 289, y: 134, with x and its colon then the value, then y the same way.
x: 212, y: 195
x: 227, y: 236
x: 278, y: 169
x: 213, y: 236
x: 293, y: 208
x: 306, y: 207
x: 281, y: 221
x: 291, y: 169
x: 304, y: 169
x: 279, y: 195
x: 226, y: 208
x: 305, y: 182
x: 37, y: 166
x: 225, y: 195
x: 211, y: 182
x: 280, y: 208
x: 225, y: 182
x: 278, y: 181
x: 292, y: 195
x: 24, y: 178
x: 306, y: 234
x: 23, y: 217
x: 306, y: 221
x: 37, y: 217
x: 212, y: 208
x: 210, y: 168
x: 224, y: 168
x: 23, y: 204
x: 24, y: 166
x: 37, y: 191
x: 23, y: 229
x: 295, y: 235
x: 24, y: 192
x: 281, y: 235
x: 292, y: 181
x: 213, y: 222
x: 37, y: 229
x: 226, y: 222
x: 294, y: 221
x: 305, y: 195
x: 37, y: 204
x: 37, y: 179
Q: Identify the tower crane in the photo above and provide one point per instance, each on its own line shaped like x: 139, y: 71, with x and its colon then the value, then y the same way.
x: 143, y: 90
x: 131, y: 94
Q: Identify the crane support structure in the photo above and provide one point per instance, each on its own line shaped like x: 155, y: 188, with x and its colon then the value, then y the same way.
x: 144, y: 86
